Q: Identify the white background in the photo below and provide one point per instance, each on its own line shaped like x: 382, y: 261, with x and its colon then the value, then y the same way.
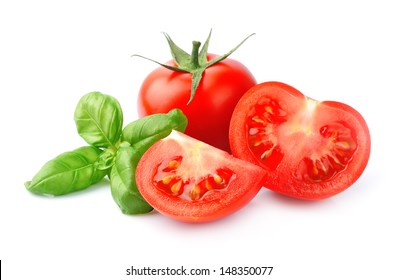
x: 53, y: 52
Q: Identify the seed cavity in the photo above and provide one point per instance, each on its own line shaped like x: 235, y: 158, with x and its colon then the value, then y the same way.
x: 194, y: 189
x: 337, y: 153
x: 261, y: 125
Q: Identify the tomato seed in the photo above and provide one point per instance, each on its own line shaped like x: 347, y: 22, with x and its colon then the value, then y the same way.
x: 175, y: 188
x: 218, y: 179
x: 167, y: 179
x: 174, y: 164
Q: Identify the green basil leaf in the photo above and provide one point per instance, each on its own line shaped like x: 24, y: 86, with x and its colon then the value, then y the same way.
x: 99, y: 119
x: 69, y: 172
x: 122, y: 182
x: 144, y: 132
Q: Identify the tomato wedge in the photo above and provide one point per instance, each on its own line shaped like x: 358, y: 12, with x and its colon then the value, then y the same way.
x: 307, y: 149
x: 191, y: 181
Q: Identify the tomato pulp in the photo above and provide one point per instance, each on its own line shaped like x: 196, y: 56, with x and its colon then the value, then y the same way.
x: 209, y: 113
x: 191, y: 181
x: 307, y: 149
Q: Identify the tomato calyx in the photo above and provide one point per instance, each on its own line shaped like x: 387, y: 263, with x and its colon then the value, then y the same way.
x: 195, y: 63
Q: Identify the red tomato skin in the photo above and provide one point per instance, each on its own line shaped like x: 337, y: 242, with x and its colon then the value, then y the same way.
x: 282, y: 179
x: 212, y: 206
x: 221, y: 87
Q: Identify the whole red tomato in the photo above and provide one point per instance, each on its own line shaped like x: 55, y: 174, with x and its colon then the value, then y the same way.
x: 206, y: 91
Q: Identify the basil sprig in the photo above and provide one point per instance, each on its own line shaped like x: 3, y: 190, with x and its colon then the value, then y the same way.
x: 113, y: 151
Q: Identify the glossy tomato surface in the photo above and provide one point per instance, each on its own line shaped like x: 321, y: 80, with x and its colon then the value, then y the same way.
x: 307, y: 149
x: 220, y: 88
x: 189, y: 180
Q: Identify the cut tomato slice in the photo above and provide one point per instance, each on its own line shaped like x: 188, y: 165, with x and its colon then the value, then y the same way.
x: 191, y: 181
x: 308, y: 149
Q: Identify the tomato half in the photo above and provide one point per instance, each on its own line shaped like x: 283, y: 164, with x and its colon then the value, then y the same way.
x: 307, y: 149
x: 189, y: 180
x: 220, y: 88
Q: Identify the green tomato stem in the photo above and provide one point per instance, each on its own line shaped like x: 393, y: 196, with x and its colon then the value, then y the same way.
x: 195, y: 54
x: 195, y: 63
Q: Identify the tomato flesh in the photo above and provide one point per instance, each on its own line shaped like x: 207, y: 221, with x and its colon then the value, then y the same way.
x: 308, y: 149
x: 191, y: 181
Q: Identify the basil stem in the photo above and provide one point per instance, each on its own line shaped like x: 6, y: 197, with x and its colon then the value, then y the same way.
x: 106, y: 159
x: 122, y: 184
x: 99, y: 120
x: 69, y: 172
x: 144, y: 132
